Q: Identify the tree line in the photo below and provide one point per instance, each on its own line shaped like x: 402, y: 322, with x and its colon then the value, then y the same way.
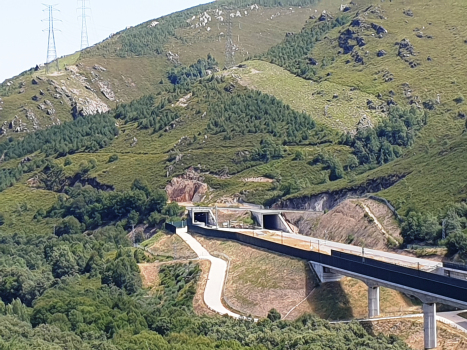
x: 87, y: 208
x: 293, y: 54
x: 385, y: 142
x: 83, y: 134
x: 448, y: 228
x: 253, y: 112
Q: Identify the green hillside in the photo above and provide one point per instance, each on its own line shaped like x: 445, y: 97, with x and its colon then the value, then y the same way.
x: 357, y: 99
x: 332, y: 70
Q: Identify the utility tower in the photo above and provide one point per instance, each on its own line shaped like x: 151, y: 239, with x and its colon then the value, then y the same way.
x: 84, y: 26
x: 51, y: 47
x: 229, y: 45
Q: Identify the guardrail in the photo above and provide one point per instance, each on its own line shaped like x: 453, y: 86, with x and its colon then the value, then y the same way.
x: 400, y: 275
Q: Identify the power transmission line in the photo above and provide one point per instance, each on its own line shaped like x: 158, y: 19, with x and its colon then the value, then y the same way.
x: 229, y: 45
x: 84, y: 25
x: 51, y: 47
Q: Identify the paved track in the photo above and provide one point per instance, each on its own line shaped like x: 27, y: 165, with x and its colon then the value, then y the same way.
x: 453, y: 317
x: 216, y: 277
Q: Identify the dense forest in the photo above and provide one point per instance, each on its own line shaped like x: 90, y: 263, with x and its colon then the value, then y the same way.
x: 87, y: 208
x: 200, y: 69
x: 77, y: 287
x: 83, y: 134
x: 257, y: 113
x: 83, y: 291
x: 384, y: 143
x: 294, y: 52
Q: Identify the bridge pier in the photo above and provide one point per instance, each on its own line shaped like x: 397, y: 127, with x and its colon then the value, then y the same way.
x: 373, y: 301
x: 429, y: 325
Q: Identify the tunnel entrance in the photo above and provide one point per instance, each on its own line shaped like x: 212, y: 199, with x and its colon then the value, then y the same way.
x: 201, y: 217
x: 272, y: 222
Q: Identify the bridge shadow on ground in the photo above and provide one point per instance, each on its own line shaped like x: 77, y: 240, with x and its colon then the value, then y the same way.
x: 329, y: 301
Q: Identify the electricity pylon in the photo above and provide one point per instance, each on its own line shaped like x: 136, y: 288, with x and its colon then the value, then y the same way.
x: 51, y: 47
x: 84, y: 25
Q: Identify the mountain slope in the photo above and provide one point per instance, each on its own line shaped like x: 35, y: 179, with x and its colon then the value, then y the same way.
x: 345, y: 70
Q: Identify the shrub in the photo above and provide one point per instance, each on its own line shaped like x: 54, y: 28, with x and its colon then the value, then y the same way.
x: 459, y: 99
x: 113, y: 158
x: 299, y: 155
x: 67, y: 161
x: 274, y: 315
x: 69, y: 226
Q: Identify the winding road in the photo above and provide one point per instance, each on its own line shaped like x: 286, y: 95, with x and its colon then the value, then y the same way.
x: 216, y: 277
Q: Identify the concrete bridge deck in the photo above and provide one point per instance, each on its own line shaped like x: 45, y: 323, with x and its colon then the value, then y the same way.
x: 422, y: 278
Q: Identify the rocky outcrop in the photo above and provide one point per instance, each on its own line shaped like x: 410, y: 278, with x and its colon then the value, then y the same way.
x: 406, y: 52
x: 381, y: 53
x: 347, y: 40
x: 87, y: 106
x: 187, y: 188
x: 380, y: 30
x: 104, y: 86
x: 325, y: 17
x: 328, y: 200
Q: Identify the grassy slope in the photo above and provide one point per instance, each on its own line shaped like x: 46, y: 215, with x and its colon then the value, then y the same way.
x: 433, y: 164
x: 253, y: 33
x: 343, y: 111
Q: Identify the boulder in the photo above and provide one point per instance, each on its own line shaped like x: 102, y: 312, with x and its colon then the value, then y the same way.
x: 99, y: 68
x: 325, y: 17
x: 381, y: 53
x: 361, y: 41
x: 357, y: 57
x: 312, y: 61
x: 378, y: 29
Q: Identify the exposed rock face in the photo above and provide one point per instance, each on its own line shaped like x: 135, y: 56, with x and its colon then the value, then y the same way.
x: 347, y: 223
x: 361, y: 41
x: 187, y: 188
x: 328, y: 200
x: 325, y: 17
x: 82, y: 102
x: 104, y: 86
x: 174, y: 58
x: 87, y: 106
x: 313, y: 61
x: 17, y: 125
x: 357, y: 57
